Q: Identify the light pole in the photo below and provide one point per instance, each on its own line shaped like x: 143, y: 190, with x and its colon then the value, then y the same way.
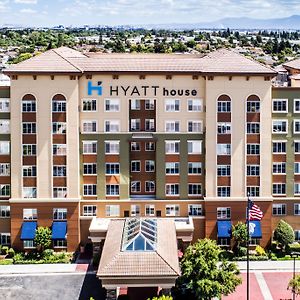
x: 294, y: 255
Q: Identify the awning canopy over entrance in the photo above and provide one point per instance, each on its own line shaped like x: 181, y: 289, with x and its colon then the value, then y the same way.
x: 28, y: 230
x: 224, y: 229
x: 139, y: 252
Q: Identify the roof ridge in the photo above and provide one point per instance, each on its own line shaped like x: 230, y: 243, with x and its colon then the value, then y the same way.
x: 166, y: 262
x: 64, y: 58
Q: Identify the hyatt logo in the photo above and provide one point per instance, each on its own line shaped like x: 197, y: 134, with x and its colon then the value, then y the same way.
x: 92, y: 88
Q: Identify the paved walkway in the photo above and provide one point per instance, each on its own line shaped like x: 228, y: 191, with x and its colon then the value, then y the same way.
x: 286, y: 265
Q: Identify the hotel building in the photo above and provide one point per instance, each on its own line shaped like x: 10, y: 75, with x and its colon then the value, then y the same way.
x: 89, y: 138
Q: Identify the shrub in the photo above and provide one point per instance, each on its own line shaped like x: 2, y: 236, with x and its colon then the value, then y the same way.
x: 293, y: 248
x: 273, y: 256
x: 47, y: 253
x: 260, y: 251
x: 251, y: 257
x: 4, y: 250
x: 43, y: 238
x: 226, y: 254
x: 6, y: 262
x: 241, y: 251
x: 284, y: 234
x: 19, y: 257
x: 11, y: 252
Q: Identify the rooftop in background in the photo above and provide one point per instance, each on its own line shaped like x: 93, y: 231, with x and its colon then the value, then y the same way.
x: 65, y: 60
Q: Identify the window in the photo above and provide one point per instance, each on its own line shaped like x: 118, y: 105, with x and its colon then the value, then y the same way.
x: 223, y: 149
x: 4, y: 238
x: 223, y: 191
x: 59, y: 149
x: 297, y: 146
x: 253, y: 106
x: 149, y: 104
x: 135, y: 166
x: 4, y: 169
x: 29, y: 171
x: 90, y: 169
x: 279, y: 126
x: 194, y: 105
x: 297, y: 235
x: 279, y: 188
x: 279, y: 209
x: 60, y: 243
x: 112, y: 210
x: 59, y: 171
x: 253, y: 191
x: 297, y: 188
x: 172, y: 189
x: 194, y: 168
x: 135, y: 104
x: 253, y: 170
x: 149, y: 146
x: 112, y: 168
x: 29, y: 106
x: 195, y: 209
x: 172, y: 147
x: 4, y: 126
x: 224, y: 106
x: 28, y: 128
x: 150, y: 125
x: 28, y: 244
x: 29, y: 192
x: 4, y: 190
x: 253, y: 128
x: 59, y: 106
x: 279, y: 147
x: 194, y: 189
x: 4, y: 211
x: 135, y: 146
x: 149, y: 186
x: 280, y: 105
x: 223, y: 170
x: 89, y: 210
x: 112, y: 190
x: 172, y: 210
x: 112, y: 105
x: 90, y: 189
x: 135, y: 210
x: 223, y: 213
x: 172, y: 126
x: 224, y: 128
x: 4, y: 105
x: 29, y: 214
x: 59, y: 214
x: 254, y: 241
x: 297, y: 168
x: 149, y: 210
x: 279, y: 168
x: 59, y: 192
x: 112, y: 147
x: 296, y: 126
x: 4, y: 147
x: 195, y: 126
x: 59, y: 127
x: 194, y: 147
x: 89, y: 105
x: 29, y: 149
x: 150, y: 166
x: 172, y: 105
x: 296, y: 105
x: 89, y: 147
x: 112, y: 126
x: 172, y: 168
x: 225, y: 242
x: 135, y: 186
x: 89, y: 126
x: 297, y: 209
x: 253, y: 149
x: 135, y: 124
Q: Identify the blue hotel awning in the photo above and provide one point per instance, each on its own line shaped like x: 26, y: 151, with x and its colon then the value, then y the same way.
x: 59, y: 230
x: 28, y: 230
x: 224, y: 229
x: 255, y: 229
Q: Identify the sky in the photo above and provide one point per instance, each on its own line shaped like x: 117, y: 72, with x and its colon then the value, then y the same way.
x: 135, y: 12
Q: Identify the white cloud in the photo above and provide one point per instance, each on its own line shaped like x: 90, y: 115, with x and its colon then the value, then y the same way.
x: 27, y: 11
x: 26, y: 1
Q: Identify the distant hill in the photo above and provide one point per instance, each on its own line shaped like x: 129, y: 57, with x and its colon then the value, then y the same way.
x: 292, y: 22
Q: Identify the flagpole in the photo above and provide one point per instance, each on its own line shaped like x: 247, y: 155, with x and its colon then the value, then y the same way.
x: 248, y: 238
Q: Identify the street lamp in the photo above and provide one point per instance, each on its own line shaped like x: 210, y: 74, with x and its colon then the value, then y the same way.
x: 294, y: 255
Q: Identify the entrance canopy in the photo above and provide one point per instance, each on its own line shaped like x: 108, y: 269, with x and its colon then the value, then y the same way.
x: 28, y: 230
x: 139, y: 252
x: 224, y: 229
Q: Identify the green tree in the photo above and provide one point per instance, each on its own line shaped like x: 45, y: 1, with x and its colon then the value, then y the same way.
x: 284, y: 234
x: 239, y: 234
x: 203, y: 276
x: 42, y: 238
x: 294, y: 285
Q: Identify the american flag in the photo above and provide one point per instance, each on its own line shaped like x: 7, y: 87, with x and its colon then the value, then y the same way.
x: 255, y: 212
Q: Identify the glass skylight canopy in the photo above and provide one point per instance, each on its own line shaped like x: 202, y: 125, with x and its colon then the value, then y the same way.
x: 139, y: 235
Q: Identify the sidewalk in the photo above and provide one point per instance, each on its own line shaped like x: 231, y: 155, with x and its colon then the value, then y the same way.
x: 286, y: 265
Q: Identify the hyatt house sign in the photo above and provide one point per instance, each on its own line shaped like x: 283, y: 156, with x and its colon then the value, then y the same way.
x: 138, y: 91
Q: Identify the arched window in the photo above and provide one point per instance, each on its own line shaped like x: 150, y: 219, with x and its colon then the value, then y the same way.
x: 253, y: 104
x: 28, y: 103
x: 224, y: 104
x: 59, y: 103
